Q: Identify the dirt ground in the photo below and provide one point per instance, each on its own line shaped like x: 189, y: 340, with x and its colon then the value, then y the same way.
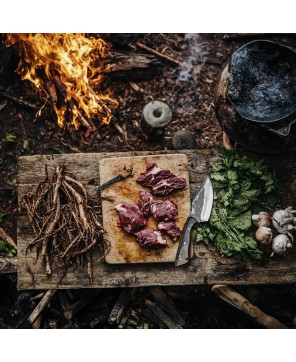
x: 190, y: 94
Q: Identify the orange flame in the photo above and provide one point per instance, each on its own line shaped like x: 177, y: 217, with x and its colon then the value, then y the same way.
x: 76, y: 60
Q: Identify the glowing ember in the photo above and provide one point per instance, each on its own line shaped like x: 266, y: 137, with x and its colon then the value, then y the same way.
x: 71, y: 64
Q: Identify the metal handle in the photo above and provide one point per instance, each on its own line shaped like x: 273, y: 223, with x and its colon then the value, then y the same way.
x: 185, y: 249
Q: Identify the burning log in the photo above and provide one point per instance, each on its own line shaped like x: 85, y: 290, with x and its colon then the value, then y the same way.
x: 76, y: 59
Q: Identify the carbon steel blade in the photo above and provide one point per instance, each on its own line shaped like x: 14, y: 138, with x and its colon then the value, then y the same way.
x: 203, y: 201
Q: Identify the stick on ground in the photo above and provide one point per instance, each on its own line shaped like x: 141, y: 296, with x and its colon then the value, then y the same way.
x: 41, y: 305
x: 241, y: 303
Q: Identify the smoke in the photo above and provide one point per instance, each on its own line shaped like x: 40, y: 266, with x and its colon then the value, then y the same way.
x: 197, y: 51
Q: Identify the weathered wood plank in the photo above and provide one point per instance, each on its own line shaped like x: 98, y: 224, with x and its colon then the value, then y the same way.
x: 8, y: 265
x: 205, y: 268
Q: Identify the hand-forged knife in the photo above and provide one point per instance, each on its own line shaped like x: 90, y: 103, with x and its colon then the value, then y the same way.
x: 201, y: 208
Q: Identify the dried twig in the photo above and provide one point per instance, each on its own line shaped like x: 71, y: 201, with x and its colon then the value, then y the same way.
x: 20, y: 101
x: 166, y: 57
x: 7, y: 238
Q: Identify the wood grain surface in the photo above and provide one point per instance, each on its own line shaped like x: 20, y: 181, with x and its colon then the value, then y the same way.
x: 206, y: 267
x: 123, y: 246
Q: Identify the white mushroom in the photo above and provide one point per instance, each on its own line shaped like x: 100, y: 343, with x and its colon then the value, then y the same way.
x: 284, y: 221
x: 264, y: 235
x: 262, y: 219
x: 281, y: 245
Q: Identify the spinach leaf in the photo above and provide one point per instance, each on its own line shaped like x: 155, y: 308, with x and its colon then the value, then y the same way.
x: 242, y: 186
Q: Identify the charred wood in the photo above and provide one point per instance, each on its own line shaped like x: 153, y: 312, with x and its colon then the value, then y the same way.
x: 151, y: 317
x: 123, y: 301
x: 76, y: 307
x: 167, y: 304
x: 166, y: 319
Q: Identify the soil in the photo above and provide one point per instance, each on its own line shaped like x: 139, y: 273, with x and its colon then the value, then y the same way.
x: 192, y: 103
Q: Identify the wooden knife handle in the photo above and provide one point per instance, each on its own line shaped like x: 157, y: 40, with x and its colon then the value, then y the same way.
x: 185, y: 249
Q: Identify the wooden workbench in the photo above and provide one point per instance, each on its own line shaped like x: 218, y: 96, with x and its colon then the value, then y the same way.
x: 207, y: 267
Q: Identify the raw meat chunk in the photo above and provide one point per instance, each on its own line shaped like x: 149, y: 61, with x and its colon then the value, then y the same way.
x: 164, y: 210
x: 166, y: 186
x: 131, y: 218
x: 145, y: 202
x: 160, y: 180
x: 171, y: 229
x: 149, y: 238
x: 152, y: 175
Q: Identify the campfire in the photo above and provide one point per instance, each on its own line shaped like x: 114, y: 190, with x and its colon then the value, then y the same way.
x: 67, y: 67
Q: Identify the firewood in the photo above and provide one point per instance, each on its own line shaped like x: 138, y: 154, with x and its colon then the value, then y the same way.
x: 7, y: 238
x: 17, y: 100
x: 131, y: 66
x: 8, y: 265
x: 241, y: 303
x: 166, y: 304
x: 62, y: 89
x: 76, y: 307
x: 124, y: 299
x: 150, y: 316
x: 37, y: 323
x: 41, y: 305
x: 51, y: 91
x: 167, y: 320
x: 163, y: 56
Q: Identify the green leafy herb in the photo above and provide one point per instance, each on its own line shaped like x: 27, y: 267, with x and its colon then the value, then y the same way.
x: 6, y: 250
x: 10, y: 137
x: 242, y: 187
x: 25, y: 144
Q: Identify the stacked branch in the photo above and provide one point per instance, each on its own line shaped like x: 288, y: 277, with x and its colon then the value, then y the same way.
x: 64, y: 222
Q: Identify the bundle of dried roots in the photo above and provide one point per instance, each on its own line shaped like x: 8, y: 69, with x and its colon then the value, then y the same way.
x: 64, y: 222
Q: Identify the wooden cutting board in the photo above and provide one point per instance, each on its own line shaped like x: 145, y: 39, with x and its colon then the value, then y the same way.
x: 123, y: 246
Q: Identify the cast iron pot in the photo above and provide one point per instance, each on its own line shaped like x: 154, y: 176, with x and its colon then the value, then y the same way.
x: 255, y: 100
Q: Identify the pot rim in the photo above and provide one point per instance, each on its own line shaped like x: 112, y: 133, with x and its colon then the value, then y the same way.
x: 249, y: 118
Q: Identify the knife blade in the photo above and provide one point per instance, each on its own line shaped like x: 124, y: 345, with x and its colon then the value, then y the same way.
x: 126, y: 172
x: 201, y: 208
